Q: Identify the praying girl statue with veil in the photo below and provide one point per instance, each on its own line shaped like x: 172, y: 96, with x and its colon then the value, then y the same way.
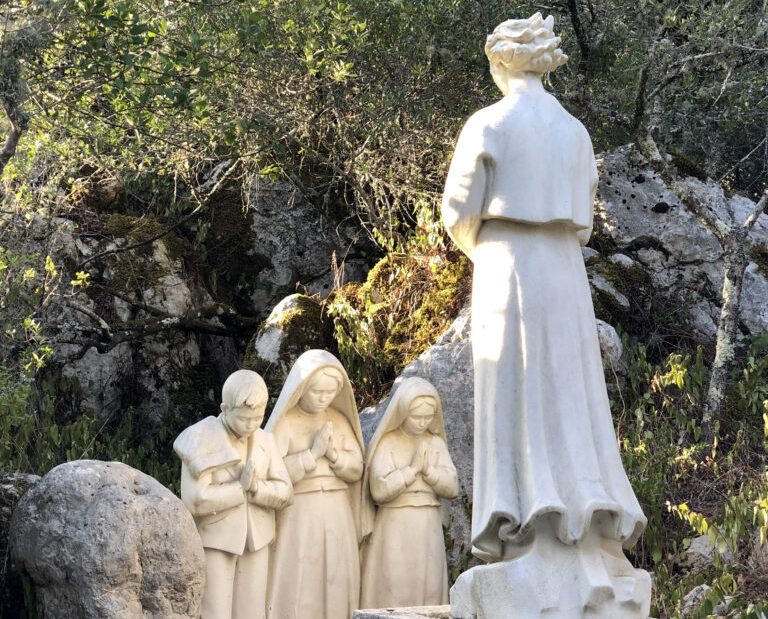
x: 315, y: 564
x: 552, y: 507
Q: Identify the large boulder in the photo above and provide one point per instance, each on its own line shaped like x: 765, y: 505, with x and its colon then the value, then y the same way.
x: 295, y: 325
x: 101, y: 540
x: 267, y: 241
x: 657, y: 236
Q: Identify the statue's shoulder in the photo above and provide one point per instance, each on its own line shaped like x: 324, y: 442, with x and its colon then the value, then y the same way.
x: 337, y: 417
x: 197, y: 432
x: 264, y: 439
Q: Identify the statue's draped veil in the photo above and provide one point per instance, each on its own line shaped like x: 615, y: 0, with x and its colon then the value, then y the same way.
x: 305, y: 368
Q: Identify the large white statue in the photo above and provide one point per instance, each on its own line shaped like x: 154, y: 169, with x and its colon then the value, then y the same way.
x: 232, y: 480
x: 552, y: 506
x: 409, y: 471
x: 316, y: 565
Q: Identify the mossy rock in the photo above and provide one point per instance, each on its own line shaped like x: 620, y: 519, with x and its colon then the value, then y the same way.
x: 296, y: 324
x: 759, y: 255
x: 143, y: 229
x: 231, y: 262
x: 403, y: 307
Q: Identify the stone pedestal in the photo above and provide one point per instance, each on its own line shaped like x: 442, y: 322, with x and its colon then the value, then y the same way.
x: 415, y: 612
x: 556, y: 581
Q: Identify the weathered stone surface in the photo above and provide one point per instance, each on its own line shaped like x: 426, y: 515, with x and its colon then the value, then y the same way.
x: 696, y: 596
x: 611, y: 348
x: 12, y: 488
x: 294, y: 326
x: 418, y: 612
x: 701, y: 553
x: 298, y: 246
x: 101, y: 540
x: 646, y: 221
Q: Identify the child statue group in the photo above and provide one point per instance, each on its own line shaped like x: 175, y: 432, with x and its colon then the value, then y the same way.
x: 298, y: 521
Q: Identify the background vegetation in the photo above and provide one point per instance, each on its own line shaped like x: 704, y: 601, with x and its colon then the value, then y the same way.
x: 148, y: 110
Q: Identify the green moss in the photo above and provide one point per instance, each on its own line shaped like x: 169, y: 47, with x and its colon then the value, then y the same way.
x: 143, y: 229
x: 759, y: 255
x: 405, y: 304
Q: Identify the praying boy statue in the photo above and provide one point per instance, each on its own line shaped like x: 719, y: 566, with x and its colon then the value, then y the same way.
x: 232, y: 480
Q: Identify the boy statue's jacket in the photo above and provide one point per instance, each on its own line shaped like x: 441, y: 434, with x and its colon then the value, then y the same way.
x: 228, y: 518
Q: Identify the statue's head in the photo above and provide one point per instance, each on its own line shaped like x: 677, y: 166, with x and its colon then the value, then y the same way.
x: 519, y: 46
x: 321, y: 389
x: 243, y: 402
x: 420, y: 414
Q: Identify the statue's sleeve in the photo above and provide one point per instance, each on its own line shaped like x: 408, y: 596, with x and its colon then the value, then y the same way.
x: 349, y: 461
x: 443, y: 478
x: 276, y: 490
x: 467, y: 184
x: 203, y: 497
x: 386, y: 480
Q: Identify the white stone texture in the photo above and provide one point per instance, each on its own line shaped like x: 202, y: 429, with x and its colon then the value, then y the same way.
x: 101, y: 377
x: 647, y: 222
x: 611, y: 348
x: 410, y: 477
x: 233, y: 479
x: 556, y: 581
x: 316, y: 426
x: 448, y: 366
x: 418, y: 612
x: 552, y: 506
x: 298, y: 246
x: 101, y: 540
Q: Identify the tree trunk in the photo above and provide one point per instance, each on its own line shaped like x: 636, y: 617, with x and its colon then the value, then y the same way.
x: 727, y: 331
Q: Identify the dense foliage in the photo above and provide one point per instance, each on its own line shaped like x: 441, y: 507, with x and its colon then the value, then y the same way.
x: 142, y: 112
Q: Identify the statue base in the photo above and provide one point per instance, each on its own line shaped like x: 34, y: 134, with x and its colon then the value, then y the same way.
x: 553, y: 580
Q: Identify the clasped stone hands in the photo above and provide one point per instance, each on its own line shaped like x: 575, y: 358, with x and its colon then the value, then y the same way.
x: 423, y: 461
x: 323, y: 444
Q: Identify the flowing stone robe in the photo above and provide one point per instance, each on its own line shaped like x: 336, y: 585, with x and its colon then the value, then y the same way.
x: 315, y: 565
x: 404, y: 560
x: 518, y: 201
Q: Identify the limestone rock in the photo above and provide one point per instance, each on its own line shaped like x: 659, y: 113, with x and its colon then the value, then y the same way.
x: 270, y: 242
x: 640, y: 215
x: 100, y: 540
x: 602, y: 286
x: 294, y: 326
x: 611, y: 348
x: 695, y: 598
x: 12, y: 488
x: 701, y: 553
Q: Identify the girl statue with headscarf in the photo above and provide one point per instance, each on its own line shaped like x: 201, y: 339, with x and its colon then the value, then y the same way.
x: 409, y: 471
x: 315, y: 567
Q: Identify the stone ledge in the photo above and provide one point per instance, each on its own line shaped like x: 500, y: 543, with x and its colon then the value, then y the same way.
x: 414, y: 612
